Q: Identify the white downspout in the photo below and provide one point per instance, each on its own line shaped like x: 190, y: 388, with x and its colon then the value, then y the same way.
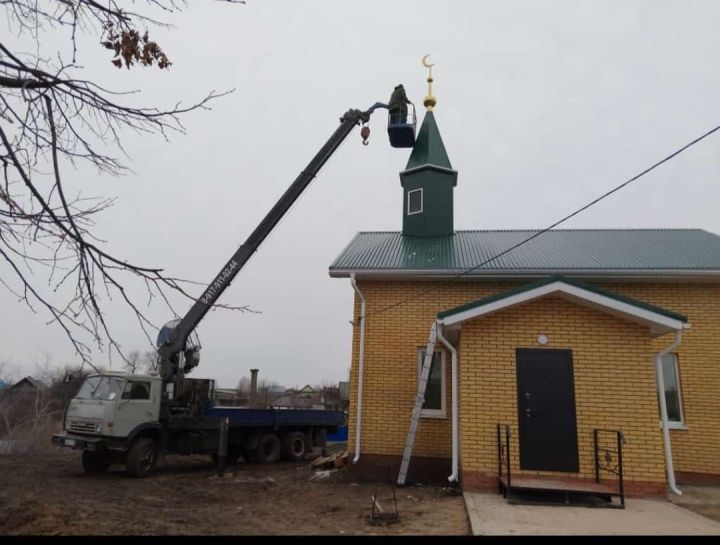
x: 663, y: 412
x: 455, y: 449
x: 361, y: 366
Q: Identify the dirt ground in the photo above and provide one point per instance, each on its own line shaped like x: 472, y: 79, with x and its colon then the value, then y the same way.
x: 50, y: 494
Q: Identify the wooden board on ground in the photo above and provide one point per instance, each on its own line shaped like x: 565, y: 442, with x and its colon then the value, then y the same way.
x: 342, y: 459
x: 336, y: 460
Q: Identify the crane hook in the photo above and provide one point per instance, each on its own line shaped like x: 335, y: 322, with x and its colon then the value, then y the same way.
x: 365, y: 134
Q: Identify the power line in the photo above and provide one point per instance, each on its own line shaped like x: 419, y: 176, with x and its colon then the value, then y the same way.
x: 549, y: 228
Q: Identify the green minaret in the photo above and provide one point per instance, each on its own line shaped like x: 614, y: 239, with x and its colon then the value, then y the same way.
x: 428, y: 181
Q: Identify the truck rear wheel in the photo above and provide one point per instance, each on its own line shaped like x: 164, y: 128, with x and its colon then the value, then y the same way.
x: 294, y: 446
x: 141, y: 457
x: 95, y: 461
x: 268, y: 449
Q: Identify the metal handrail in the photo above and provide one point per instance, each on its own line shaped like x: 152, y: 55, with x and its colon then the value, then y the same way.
x: 410, y: 114
x: 607, y: 462
x: 503, y: 453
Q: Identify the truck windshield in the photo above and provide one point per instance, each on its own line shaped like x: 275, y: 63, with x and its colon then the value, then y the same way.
x: 103, y: 388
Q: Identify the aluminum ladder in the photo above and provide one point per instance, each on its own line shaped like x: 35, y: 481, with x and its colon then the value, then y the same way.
x: 419, y: 401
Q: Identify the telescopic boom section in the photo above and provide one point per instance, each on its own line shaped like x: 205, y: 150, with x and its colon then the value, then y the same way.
x: 177, y: 339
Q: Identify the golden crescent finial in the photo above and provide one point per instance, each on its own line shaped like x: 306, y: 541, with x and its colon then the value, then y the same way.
x: 430, y: 100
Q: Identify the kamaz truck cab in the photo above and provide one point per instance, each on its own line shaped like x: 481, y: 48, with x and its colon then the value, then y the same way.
x: 108, y: 415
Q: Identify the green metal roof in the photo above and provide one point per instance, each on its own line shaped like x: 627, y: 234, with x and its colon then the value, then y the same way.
x: 572, y: 282
x: 582, y: 251
x: 429, y: 148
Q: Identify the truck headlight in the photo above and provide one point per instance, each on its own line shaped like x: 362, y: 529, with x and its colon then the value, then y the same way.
x: 97, y: 428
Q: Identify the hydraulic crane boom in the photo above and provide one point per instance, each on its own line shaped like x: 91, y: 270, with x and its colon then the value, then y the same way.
x: 172, y: 350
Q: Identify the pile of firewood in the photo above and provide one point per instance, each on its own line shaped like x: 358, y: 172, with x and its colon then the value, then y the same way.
x: 337, y: 460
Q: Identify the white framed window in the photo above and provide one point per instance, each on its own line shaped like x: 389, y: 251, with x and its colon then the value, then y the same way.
x: 434, y: 406
x: 673, y: 397
x: 415, y: 201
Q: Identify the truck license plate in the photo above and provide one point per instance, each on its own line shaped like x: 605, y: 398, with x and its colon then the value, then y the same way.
x: 70, y: 442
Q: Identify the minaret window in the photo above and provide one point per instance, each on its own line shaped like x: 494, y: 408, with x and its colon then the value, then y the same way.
x: 415, y: 201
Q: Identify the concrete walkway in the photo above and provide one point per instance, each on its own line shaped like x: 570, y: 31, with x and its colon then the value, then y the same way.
x: 490, y: 514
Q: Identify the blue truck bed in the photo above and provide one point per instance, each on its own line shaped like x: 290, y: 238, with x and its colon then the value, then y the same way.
x: 240, y: 416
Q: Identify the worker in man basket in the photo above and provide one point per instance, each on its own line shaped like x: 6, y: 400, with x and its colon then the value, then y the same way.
x: 398, y: 105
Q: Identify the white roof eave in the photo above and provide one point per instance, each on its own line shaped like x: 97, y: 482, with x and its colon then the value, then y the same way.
x: 524, y: 274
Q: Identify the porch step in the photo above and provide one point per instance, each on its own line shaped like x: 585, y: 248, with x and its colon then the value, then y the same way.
x: 540, y: 490
x: 576, y: 486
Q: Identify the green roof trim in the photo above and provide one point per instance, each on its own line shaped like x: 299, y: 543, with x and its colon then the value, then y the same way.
x: 571, y: 282
x: 429, y: 148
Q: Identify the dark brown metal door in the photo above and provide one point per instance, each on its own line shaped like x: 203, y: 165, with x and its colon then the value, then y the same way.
x: 546, y: 410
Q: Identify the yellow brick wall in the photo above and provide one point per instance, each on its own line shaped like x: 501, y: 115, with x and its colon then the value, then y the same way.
x: 390, y: 384
x: 393, y: 337
x: 696, y: 449
x: 614, y: 383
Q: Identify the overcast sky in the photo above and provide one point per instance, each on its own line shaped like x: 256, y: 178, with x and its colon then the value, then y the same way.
x: 542, y: 106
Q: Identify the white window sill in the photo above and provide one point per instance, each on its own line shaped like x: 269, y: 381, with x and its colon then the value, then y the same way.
x: 433, y: 415
x: 674, y: 426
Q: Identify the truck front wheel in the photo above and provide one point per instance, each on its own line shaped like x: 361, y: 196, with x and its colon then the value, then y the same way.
x: 141, y: 457
x: 268, y: 449
x: 95, y: 461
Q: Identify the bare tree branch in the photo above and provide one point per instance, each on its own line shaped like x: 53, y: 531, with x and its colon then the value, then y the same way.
x: 50, y: 117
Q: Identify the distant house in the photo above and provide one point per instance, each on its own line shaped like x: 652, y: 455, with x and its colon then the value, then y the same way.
x: 28, y: 383
x: 309, y: 398
x: 554, y: 336
x: 306, y: 390
x: 303, y: 398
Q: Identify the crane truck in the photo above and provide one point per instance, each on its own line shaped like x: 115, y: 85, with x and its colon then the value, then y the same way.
x: 133, y: 419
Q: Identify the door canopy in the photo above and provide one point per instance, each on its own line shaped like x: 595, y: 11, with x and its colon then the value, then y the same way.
x: 658, y: 320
